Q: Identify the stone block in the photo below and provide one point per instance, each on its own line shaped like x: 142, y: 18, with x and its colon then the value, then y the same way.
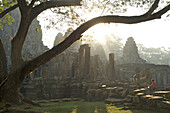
x: 135, y: 100
x: 115, y: 100
x: 124, y: 93
x: 165, y: 104
x: 119, y: 89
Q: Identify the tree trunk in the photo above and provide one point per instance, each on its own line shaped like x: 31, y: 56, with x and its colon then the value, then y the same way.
x: 3, y: 63
x: 10, y: 89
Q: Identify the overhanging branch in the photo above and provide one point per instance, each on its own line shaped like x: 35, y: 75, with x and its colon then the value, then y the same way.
x: 51, y: 4
x: 153, y: 7
x: 160, y: 12
x: 32, y: 3
x: 76, y: 34
x: 3, y: 13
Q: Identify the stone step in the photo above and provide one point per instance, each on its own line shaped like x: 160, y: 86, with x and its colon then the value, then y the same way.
x: 151, y: 99
x: 165, y: 104
x: 165, y: 94
x: 140, y: 94
x: 146, y: 96
x: 115, y: 100
x: 141, y: 90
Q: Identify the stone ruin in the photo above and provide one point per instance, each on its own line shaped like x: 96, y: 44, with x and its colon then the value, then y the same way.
x: 80, y: 75
x: 130, y: 53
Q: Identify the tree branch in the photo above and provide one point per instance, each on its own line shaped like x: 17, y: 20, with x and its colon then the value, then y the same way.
x: 8, y: 10
x: 76, y: 34
x: 161, y: 12
x: 32, y: 3
x: 153, y: 7
x: 50, y: 4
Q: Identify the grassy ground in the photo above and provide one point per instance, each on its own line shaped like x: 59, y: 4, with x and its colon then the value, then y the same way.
x: 79, y: 107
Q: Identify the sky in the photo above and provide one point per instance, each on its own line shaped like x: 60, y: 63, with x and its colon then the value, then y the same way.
x: 151, y: 34
x: 155, y: 33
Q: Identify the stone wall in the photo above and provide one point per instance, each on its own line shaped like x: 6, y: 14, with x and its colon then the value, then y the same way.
x: 160, y: 73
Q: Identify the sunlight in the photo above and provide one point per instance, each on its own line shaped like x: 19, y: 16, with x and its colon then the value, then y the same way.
x: 146, y: 33
x: 74, y: 110
x: 114, y: 109
x: 98, y: 32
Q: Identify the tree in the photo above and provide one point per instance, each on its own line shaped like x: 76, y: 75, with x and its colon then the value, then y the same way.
x: 9, y: 88
x: 155, y: 55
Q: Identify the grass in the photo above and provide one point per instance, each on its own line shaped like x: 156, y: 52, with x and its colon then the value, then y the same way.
x: 79, y: 107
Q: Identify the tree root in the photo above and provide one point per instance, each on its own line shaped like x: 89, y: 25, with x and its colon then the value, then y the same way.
x: 31, y: 102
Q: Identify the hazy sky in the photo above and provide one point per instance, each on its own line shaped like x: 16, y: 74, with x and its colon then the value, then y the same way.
x: 151, y: 34
x: 155, y: 33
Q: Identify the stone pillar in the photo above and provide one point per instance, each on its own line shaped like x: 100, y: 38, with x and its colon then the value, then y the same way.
x: 84, y: 59
x: 111, y: 67
x: 87, y: 61
x: 81, y: 60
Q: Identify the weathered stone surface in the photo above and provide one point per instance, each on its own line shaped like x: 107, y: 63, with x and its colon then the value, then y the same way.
x: 140, y: 94
x: 165, y: 94
x: 112, y: 72
x: 137, y: 91
x: 135, y: 100
x: 115, y: 100
x: 130, y: 52
x: 165, y: 104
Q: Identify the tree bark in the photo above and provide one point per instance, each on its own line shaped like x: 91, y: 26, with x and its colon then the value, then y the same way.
x: 3, y: 63
x: 9, y: 90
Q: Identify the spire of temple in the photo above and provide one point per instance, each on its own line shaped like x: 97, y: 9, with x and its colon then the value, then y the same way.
x: 130, y: 52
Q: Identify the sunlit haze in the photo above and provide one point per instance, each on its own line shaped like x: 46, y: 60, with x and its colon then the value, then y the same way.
x: 154, y: 33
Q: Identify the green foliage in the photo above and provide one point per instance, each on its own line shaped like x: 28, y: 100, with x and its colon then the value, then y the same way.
x: 8, y: 3
x: 164, y: 95
x: 38, y: 28
x: 155, y: 55
x: 7, y: 19
x: 74, y: 16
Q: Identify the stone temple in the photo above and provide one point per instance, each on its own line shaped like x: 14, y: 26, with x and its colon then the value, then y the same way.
x: 77, y: 73
x: 130, y: 52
